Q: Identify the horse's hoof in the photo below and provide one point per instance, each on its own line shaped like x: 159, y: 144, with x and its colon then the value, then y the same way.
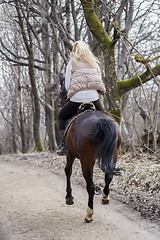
x: 88, y: 220
x: 105, y: 200
x: 89, y: 215
x: 69, y: 201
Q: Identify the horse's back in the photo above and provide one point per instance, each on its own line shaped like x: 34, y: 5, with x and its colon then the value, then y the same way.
x: 78, y: 134
x: 89, y: 118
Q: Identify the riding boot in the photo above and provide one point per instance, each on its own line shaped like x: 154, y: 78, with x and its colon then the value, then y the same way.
x: 62, y: 148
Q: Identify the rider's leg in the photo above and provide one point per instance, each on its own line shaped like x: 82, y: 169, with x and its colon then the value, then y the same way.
x: 62, y: 148
x: 68, y: 111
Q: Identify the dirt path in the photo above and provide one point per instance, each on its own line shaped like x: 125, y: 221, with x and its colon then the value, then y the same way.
x: 32, y: 206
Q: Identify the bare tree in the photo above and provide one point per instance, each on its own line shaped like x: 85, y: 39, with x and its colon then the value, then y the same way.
x: 46, y: 31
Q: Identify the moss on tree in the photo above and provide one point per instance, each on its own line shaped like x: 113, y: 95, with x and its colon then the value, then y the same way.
x: 38, y: 146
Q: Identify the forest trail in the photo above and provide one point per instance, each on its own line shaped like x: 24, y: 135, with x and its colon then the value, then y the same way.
x: 32, y: 206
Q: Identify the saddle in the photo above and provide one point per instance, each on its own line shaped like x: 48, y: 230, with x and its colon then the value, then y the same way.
x: 81, y: 109
x: 86, y: 106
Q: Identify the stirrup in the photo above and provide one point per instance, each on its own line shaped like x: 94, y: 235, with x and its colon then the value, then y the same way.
x: 61, y: 150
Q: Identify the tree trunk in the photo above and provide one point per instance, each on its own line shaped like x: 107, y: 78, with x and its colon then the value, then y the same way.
x: 21, y: 118
x: 27, y: 38
x: 24, y: 149
x: 76, y: 30
x: 113, y: 101
x: 36, y: 106
x: 13, y: 128
x: 47, y: 75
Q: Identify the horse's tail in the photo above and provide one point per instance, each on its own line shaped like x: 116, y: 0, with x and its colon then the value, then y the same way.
x: 106, y: 134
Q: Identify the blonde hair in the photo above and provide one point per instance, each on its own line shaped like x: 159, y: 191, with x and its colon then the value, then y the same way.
x: 81, y: 51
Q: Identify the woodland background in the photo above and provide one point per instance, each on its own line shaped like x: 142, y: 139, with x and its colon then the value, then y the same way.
x: 36, y: 39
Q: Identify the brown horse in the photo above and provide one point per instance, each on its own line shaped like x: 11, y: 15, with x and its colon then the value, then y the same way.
x: 92, y: 135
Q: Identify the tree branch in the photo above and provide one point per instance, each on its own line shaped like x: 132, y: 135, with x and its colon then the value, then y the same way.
x: 96, y: 26
x: 18, y: 63
x: 126, y: 85
x: 16, y: 56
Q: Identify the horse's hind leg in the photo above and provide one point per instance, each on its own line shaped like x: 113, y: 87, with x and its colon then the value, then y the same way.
x: 108, y: 179
x: 109, y: 176
x: 68, y: 172
x: 88, y: 175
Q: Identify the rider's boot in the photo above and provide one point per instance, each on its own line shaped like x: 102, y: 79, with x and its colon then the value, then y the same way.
x: 62, y: 148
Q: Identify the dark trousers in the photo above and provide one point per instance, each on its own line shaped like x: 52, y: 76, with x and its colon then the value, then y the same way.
x: 70, y: 109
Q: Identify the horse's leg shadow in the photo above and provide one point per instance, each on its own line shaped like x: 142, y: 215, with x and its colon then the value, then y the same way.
x: 68, y: 171
x: 108, y: 179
